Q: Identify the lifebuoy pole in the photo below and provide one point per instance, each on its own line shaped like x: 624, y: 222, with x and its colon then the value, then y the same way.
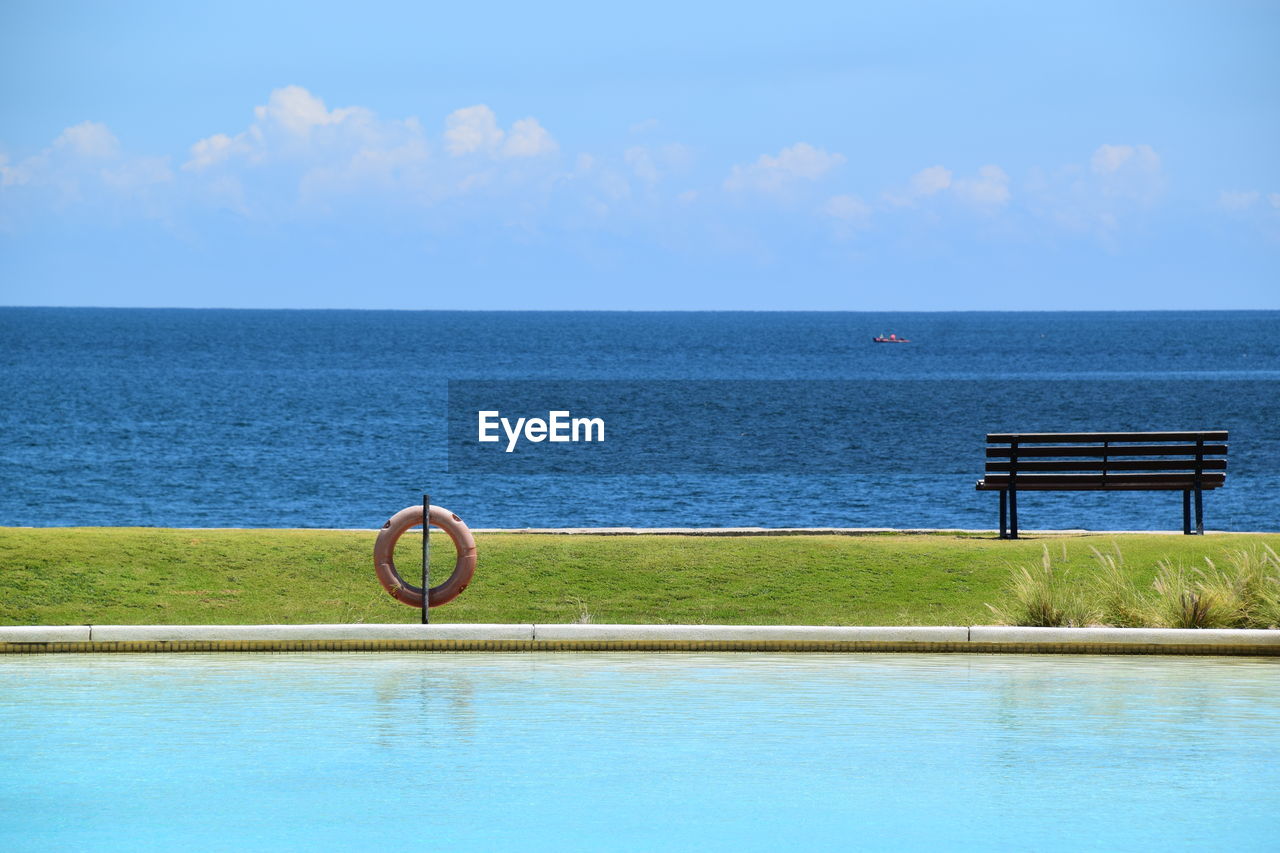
x: 426, y: 559
x: 384, y: 563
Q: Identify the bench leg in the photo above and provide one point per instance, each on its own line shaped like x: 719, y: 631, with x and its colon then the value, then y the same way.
x: 1199, y: 512
x: 1186, y: 512
x: 1004, y: 512
x: 1013, y: 513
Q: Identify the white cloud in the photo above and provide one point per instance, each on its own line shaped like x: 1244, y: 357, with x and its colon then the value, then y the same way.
x: 89, y: 139
x: 137, y: 172
x: 389, y: 168
x: 214, y: 150
x: 312, y: 153
x: 989, y: 190
x: 1132, y: 172
x: 18, y: 173
x: 1274, y: 198
x: 1238, y: 200
x: 931, y: 180
x: 770, y: 174
x: 849, y: 214
x: 298, y: 111
x: 640, y: 161
x: 848, y: 208
x: 614, y: 186
x: 676, y: 157
x: 296, y: 155
x: 1108, y: 159
x: 326, y: 154
x: 528, y: 139
x: 295, y: 126
x: 651, y: 164
x: 475, y: 129
x: 83, y: 163
x: 926, y: 182
x: 1117, y: 185
x: 472, y: 129
x: 634, y: 183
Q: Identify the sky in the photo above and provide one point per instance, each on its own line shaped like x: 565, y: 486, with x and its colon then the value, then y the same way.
x: 656, y: 156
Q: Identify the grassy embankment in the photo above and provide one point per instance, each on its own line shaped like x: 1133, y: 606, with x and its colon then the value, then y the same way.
x: 160, y: 576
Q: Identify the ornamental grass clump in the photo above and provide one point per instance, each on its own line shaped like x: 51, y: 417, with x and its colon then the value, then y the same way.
x: 1267, y: 614
x: 1193, y: 599
x: 1119, y: 600
x: 1043, y: 598
x: 1243, y: 593
x: 1241, y: 590
x: 1250, y: 585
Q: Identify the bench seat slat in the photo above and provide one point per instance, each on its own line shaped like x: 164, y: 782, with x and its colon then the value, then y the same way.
x: 1112, y: 451
x: 1081, y: 478
x: 1111, y: 465
x: 1109, y: 487
x: 1056, y: 437
x: 1096, y: 482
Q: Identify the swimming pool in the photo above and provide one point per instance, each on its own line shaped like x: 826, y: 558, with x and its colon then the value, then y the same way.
x: 637, y: 751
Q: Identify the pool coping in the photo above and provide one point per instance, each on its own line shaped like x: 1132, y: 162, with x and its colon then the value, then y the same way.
x: 531, y: 637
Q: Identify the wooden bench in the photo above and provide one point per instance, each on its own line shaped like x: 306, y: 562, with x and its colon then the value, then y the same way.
x: 1190, y: 462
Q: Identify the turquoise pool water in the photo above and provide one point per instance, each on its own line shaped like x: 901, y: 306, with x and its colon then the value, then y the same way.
x: 633, y: 751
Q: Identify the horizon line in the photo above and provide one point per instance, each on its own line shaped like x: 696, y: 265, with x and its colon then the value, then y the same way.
x: 647, y: 310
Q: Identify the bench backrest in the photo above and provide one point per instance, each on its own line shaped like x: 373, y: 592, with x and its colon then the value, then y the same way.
x: 1104, y: 461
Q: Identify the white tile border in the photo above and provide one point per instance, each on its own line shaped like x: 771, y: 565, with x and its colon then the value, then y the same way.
x: 44, y: 634
x: 748, y: 634
x: 536, y: 634
x: 1126, y: 636
x: 303, y: 633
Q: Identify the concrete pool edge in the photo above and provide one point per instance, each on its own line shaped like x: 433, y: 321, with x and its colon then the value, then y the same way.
x: 649, y: 638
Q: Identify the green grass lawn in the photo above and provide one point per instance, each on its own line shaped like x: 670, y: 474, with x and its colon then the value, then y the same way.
x: 77, y: 576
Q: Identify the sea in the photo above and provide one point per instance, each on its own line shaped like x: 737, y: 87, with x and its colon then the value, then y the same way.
x: 337, y: 419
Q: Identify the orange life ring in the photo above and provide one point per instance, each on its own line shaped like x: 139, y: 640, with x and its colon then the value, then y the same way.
x: 384, y: 556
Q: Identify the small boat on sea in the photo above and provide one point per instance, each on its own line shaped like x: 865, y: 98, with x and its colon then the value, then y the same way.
x: 890, y: 339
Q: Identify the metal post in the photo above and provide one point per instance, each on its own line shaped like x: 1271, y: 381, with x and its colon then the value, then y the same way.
x: 426, y: 558
x: 1013, y: 490
x: 1199, y: 495
x: 1004, y: 512
x: 1013, y: 513
x: 1186, y: 512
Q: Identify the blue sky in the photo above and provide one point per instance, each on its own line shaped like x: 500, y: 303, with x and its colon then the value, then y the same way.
x: 836, y: 156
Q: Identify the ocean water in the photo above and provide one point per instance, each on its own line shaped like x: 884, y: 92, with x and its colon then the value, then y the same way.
x: 338, y: 418
x: 628, y: 751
